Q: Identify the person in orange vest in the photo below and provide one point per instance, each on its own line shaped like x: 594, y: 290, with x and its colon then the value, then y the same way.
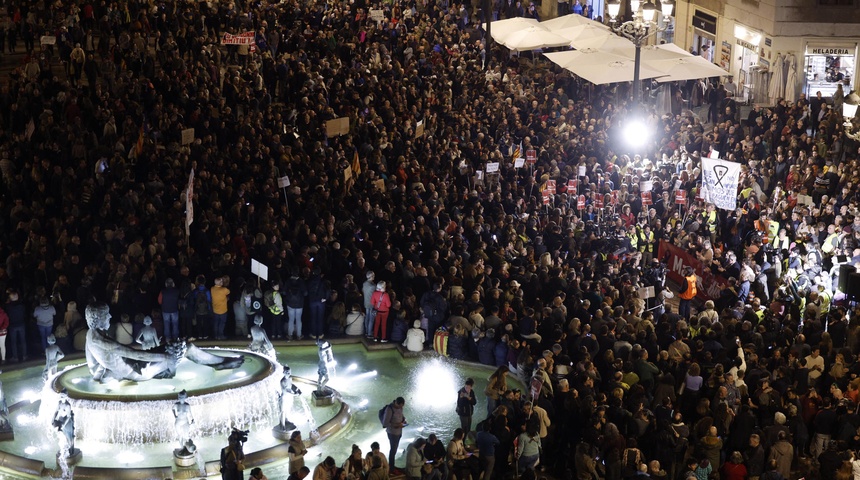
x: 687, y: 293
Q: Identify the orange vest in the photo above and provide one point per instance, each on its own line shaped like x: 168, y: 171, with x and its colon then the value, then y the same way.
x: 690, y: 292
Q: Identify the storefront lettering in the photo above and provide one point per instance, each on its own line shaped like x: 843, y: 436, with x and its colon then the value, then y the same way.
x: 747, y: 45
x: 830, y: 51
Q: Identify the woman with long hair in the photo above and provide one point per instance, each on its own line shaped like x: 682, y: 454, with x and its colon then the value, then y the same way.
x: 497, y: 384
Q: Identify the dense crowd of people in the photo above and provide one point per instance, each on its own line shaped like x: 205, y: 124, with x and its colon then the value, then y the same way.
x: 399, y: 220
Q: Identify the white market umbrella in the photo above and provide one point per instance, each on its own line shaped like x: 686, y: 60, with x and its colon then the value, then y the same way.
x: 685, y: 68
x: 611, y: 44
x: 776, y: 89
x: 500, y: 28
x: 791, y: 78
x: 599, y: 67
x: 532, y: 38
x: 583, y: 32
x: 567, y: 21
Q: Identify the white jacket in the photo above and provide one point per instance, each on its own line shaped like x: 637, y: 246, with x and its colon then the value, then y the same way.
x: 414, y: 340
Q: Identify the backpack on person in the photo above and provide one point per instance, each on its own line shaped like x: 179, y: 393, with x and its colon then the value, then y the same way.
x: 382, y: 414
x: 201, y: 303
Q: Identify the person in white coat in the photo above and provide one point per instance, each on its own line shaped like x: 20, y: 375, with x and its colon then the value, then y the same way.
x: 414, y: 338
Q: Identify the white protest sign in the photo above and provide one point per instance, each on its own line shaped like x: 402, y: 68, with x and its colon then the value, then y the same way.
x: 720, y: 182
x: 284, y: 182
x: 493, y: 167
x: 377, y: 14
x: 581, y: 171
x: 259, y: 269
x: 646, y: 186
x: 714, y: 154
x: 519, y: 162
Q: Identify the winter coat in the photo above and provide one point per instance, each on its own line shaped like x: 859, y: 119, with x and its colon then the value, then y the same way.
x: 295, y: 291
x: 458, y: 346
x: 414, y: 340
x: 500, y: 352
x: 783, y: 453
x: 486, y: 351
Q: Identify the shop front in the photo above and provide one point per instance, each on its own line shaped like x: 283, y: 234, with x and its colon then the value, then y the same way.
x: 704, y: 34
x: 827, y: 65
x: 746, y: 59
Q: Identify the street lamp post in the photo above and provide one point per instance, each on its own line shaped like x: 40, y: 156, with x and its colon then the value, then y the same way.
x: 639, y: 30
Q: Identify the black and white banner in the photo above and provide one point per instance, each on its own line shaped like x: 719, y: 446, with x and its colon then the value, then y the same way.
x: 720, y: 182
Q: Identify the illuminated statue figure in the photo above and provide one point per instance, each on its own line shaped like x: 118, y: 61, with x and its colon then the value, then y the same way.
x: 260, y: 342
x: 285, y: 398
x: 5, y: 424
x: 148, y: 336
x: 64, y: 422
x: 107, y: 359
x: 183, y: 420
x: 326, y: 358
x: 53, y: 355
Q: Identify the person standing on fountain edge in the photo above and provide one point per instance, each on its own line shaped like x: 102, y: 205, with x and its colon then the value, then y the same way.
x: 381, y: 303
x: 168, y: 298
x: 394, y: 421
x: 219, y: 293
x: 466, y: 401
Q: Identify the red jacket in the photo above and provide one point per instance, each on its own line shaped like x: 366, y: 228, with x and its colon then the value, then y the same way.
x: 4, y: 321
x: 380, y: 301
x: 733, y: 471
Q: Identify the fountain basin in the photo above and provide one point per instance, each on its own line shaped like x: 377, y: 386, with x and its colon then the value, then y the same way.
x: 131, y: 413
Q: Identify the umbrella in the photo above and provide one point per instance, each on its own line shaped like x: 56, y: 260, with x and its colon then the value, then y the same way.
x: 777, y: 81
x: 532, y: 38
x: 568, y: 21
x: 582, y: 32
x: 611, y: 44
x: 685, y: 68
x: 600, y: 67
x: 500, y: 28
x: 791, y: 78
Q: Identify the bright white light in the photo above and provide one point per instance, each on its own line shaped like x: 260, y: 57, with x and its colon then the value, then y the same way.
x: 636, y: 133
x: 31, y: 450
x: 240, y: 374
x: 27, y: 419
x: 363, y: 403
x: 129, y: 457
x: 364, y: 375
x: 33, y: 396
x: 77, y: 380
x: 434, y: 386
x: 352, y: 367
x: 187, y: 375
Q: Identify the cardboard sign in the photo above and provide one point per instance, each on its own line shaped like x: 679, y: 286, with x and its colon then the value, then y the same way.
x: 337, y: 127
x: 550, y: 186
x: 347, y: 174
x: 546, y: 195
x: 419, y: 129
x: 680, y: 197
x: 284, y: 181
x: 187, y: 136
x: 519, y: 162
x: 580, y: 202
x: 48, y: 40
x: 646, y: 292
x: 531, y: 156
x: 493, y: 167
x: 380, y: 185
x: 377, y: 14
x: 614, y: 197
x: 646, y: 198
x: 259, y: 269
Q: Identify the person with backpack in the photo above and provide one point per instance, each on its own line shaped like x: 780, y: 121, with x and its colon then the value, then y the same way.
x: 274, y: 311
x: 296, y: 290
x: 202, y: 308
x: 393, y: 421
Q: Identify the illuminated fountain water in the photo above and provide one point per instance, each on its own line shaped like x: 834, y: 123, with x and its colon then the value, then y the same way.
x: 366, y: 381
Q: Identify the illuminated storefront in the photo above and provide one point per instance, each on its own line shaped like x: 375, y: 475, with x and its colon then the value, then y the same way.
x: 826, y: 65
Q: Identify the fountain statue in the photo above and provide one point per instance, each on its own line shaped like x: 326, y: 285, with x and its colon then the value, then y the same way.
x: 285, y: 400
x: 5, y: 425
x: 148, y: 336
x: 108, y: 359
x: 53, y: 355
x: 64, y: 422
x: 323, y: 395
x: 183, y: 420
x: 260, y: 342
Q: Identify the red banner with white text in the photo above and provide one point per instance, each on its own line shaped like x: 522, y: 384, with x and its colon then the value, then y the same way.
x: 708, y: 285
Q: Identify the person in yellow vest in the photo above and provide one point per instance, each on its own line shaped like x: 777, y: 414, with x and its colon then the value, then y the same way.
x: 687, y: 293
x: 219, y: 294
x: 634, y: 238
x: 709, y: 218
x: 646, y: 244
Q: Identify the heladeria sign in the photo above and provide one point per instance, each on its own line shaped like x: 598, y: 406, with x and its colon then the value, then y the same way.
x: 832, y: 51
